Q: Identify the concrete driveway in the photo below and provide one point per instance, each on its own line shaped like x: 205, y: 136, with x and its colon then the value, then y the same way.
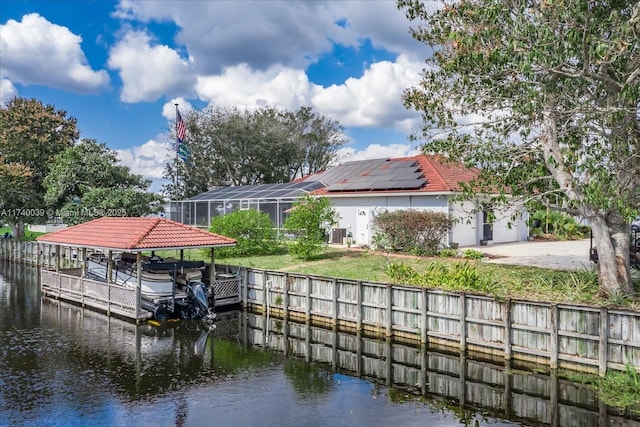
x: 560, y: 255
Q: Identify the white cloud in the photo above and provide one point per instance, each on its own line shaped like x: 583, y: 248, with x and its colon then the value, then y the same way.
x: 7, y: 91
x: 254, y: 53
x: 242, y: 87
x: 148, y: 159
x: 258, y: 33
x: 377, y: 151
x: 375, y: 99
x: 371, y: 101
x: 35, y: 51
x: 148, y: 71
x: 169, y: 108
x: 262, y: 34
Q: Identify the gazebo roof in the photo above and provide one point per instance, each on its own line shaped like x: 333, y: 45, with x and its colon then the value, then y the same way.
x: 135, y: 235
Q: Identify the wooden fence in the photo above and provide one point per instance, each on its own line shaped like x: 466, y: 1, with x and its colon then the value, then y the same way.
x: 579, y: 337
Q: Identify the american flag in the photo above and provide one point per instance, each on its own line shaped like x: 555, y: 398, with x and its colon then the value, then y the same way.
x: 180, y: 127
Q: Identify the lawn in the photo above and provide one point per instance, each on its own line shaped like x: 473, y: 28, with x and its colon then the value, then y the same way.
x: 507, y: 281
x: 29, y: 235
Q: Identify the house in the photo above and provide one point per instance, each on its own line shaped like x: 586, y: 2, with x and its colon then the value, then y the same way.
x: 359, y: 190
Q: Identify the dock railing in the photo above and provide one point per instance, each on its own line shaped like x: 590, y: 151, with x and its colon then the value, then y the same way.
x: 109, y: 298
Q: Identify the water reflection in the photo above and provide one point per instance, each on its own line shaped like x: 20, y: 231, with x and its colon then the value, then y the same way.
x: 64, y: 365
x: 438, y: 377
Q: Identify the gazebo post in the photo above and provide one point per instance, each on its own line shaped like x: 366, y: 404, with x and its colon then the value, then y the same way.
x: 181, y: 254
x: 83, y: 264
x: 139, y: 284
x: 212, y: 269
x: 57, y: 258
x: 109, y: 266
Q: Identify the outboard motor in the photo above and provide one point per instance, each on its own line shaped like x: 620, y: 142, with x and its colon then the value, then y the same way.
x: 199, y: 304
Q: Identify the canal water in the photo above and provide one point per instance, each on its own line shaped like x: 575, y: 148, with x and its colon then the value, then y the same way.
x: 61, y: 365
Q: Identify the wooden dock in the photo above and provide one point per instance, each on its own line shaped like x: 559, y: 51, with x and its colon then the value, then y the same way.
x: 68, y: 285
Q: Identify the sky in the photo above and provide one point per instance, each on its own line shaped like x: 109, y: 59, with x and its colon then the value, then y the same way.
x: 120, y: 66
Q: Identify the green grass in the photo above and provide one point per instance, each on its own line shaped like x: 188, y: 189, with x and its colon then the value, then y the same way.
x: 29, y: 235
x: 507, y: 281
x: 620, y: 389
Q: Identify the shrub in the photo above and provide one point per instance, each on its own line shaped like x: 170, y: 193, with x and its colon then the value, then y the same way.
x: 448, y: 253
x: 472, y: 254
x: 459, y: 276
x: 412, y: 231
x: 251, y: 228
x: 558, y: 224
x: 313, y: 216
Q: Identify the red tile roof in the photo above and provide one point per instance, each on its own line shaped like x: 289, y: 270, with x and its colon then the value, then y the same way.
x: 126, y: 233
x: 442, y: 176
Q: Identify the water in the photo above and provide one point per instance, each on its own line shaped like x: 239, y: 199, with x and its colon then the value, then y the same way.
x: 61, y: 365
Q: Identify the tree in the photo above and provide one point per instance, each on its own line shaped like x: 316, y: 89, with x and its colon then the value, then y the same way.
x: 240, y: 147
x: 310, y: 219
x: 555, y: 87
x: 252, y: 230
x: 86, y: 181
x: 31, y: 135
x: 15, y: 186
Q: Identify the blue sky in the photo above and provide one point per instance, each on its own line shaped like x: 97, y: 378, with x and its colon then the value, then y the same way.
x: 119, y: 67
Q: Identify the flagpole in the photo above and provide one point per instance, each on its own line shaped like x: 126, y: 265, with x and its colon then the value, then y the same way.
x: 177, y: 148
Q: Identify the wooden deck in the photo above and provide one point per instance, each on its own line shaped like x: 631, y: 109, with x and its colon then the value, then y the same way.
x: 68, y: 285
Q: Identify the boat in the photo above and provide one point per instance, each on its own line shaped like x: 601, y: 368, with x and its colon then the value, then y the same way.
x: 169, y: 287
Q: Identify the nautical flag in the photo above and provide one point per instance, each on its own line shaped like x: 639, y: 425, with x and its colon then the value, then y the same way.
x: 181, y: 130
x: 183, y: 152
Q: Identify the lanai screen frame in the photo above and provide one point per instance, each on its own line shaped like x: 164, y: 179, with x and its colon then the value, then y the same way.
x: 274, y: 199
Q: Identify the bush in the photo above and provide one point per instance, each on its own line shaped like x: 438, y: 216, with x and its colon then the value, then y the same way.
x: 557, y: 224
x: 251, y: 228
x: 448, y: 253
x: 456, y: 276
x: 412, y: 231
x: 312, y: 216
x: 472, y: 254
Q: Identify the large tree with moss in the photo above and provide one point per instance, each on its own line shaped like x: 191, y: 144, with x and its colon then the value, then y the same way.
x: 230, y: 146
x: 31, y: 135
x: 543, y: 96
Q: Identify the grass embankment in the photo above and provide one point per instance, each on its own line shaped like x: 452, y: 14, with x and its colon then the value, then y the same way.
x: 502, y: 281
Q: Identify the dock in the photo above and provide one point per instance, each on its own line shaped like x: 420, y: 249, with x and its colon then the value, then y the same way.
x: 63, y: 257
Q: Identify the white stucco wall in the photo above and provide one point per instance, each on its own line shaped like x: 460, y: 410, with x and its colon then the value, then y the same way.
x: 357, y: 213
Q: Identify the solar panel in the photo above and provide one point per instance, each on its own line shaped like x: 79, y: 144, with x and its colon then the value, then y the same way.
x: 361, y: 175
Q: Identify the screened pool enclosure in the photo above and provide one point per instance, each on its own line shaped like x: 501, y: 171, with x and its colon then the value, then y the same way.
x: 274, y: 199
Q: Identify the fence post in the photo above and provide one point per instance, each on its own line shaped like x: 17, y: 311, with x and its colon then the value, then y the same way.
x: 308, y: 300
x: 424, y: 312
x: 463, y: 321
x: 265, y: 291
x: 334, y: 319
x: 506, y: 316
x: 285, y: 297
x: 603, y: 339
x: 389, y: 313
x: 553, y: 339
x: 359, y: 306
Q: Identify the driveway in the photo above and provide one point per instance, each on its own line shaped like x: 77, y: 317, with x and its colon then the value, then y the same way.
x: 560, y: 255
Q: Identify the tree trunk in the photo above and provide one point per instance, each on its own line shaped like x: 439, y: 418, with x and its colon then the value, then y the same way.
x: 612, y: 244
x: 18, y: 229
